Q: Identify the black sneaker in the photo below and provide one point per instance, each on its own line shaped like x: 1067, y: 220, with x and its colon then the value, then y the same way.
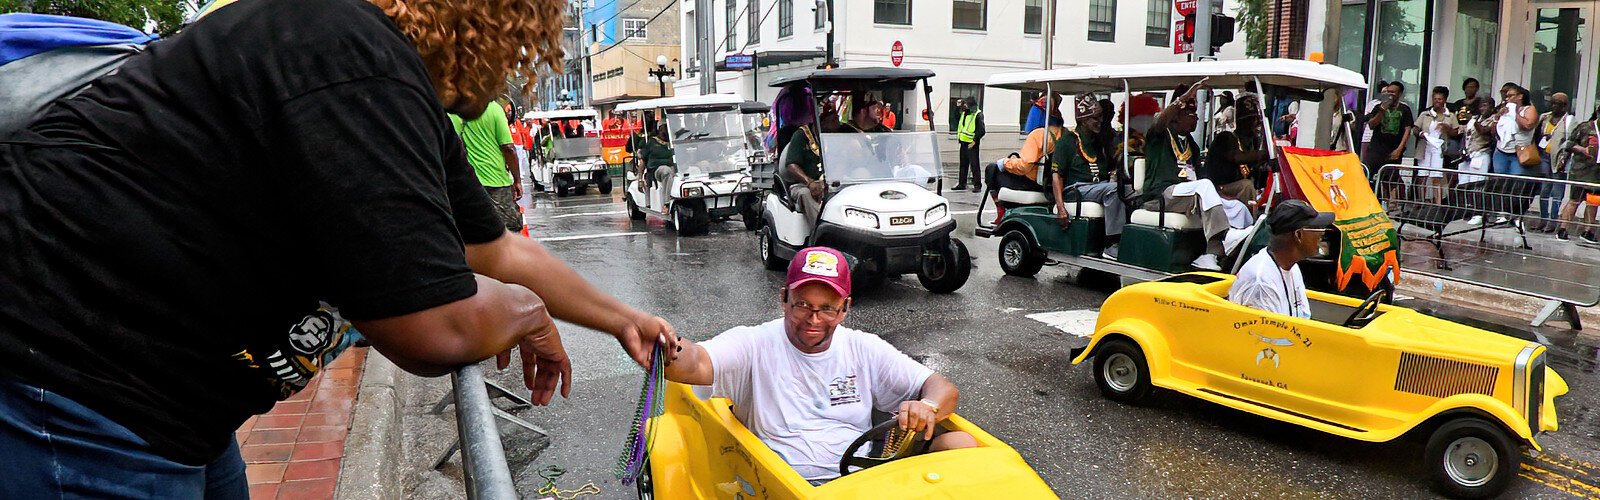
x: 1561, y: 234
x: 1588, y: 237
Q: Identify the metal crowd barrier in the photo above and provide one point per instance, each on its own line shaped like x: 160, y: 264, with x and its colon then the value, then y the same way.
x: 483, y: 459
x: 1483, y: 229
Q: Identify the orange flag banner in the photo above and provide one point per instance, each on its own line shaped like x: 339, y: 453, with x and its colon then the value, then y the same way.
x: 1332, y: 181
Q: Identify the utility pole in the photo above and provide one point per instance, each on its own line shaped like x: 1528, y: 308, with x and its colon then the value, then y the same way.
x: 704, y: 29
x: 1048, y: 44
x: 1202, y: 29
x: 832, y: 60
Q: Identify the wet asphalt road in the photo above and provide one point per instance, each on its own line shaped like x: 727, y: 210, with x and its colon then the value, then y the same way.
x: 1014, y: 374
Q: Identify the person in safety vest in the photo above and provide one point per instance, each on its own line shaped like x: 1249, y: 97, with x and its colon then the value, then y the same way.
x: 969, y: 132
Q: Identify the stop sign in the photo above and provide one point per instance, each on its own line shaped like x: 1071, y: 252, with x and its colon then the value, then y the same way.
x: 897, y: 53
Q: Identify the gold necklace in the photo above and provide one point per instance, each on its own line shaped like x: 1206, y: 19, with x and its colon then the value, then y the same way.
x: 1092, y: 159
x: 1181, y: 154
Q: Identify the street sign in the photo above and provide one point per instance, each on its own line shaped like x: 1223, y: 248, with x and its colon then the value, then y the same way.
x: 1185, y: 7
x: 736, y: 62
x: 1179, y: 45
x: 897, y: 53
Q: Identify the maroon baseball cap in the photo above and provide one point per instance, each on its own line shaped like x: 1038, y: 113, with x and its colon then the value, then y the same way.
x: 820, y: 265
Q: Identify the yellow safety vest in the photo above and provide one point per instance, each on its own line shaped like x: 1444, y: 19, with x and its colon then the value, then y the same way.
x: 968, y: 127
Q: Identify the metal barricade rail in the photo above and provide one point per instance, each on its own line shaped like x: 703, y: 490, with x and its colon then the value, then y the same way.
x: 483, y: 458
x: 1483, y: 229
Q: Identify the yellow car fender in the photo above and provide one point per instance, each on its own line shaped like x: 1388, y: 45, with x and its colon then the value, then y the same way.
x: 1465, y: 404
x: 1150, y: 340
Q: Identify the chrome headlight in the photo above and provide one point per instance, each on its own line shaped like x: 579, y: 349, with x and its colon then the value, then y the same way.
x: 935, y: 214
x: 694, y: 192
x: 861, y: 218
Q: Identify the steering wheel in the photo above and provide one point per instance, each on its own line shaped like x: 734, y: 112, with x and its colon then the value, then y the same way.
x: 1367, y: 310
x: 875, y: 433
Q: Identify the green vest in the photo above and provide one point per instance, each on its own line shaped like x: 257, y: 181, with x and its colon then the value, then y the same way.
x: 968, y: 127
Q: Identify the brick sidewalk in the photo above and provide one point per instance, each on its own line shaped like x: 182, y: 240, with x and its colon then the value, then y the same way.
x: 294, y: 451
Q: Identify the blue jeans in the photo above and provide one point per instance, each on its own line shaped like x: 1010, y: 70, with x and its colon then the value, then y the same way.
x: 1550, y: 193
x: 57, y: 448
x: 1506, y: 163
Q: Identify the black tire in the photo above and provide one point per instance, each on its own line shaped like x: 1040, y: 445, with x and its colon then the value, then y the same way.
x: 949, y: 271
x: 633, y: 209
x: 603, y: 185
x: 563, y: 186
x: 751, y: 214
x: 1113, y: 363
x: 1019, y: 256
x: 1457, y: 454
x: 690, y: 218
x: 767, y: 248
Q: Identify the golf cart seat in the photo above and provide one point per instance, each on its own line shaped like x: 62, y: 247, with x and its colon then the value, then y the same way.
x: 1085, y: 210
x: 1169, y: 220
x: 1022, y: 197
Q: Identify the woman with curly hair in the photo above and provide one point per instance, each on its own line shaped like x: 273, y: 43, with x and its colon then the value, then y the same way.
x: 188, y: 240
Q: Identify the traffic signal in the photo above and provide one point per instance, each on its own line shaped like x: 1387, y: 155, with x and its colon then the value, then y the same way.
x: 1221, y: 31
x: 1188, y: 28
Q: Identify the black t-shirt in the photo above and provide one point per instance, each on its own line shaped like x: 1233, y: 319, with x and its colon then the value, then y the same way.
x: 1390, y: 130
x: 1220, y: 168
x: 166, y: 236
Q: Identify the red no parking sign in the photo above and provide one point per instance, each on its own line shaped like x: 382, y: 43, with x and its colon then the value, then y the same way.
x: 897, y: 53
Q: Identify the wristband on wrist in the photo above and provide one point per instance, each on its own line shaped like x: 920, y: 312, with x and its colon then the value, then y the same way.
x: 930, y: 404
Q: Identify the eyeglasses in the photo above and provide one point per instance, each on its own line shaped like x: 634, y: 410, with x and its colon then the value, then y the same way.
x: 803, y: 310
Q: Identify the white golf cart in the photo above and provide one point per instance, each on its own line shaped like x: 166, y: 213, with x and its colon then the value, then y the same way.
x: 566, y: 162
x: 883, y: 205
x: 712, y: 154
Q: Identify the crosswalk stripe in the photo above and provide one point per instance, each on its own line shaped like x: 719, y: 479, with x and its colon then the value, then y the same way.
x: 1079, y: 322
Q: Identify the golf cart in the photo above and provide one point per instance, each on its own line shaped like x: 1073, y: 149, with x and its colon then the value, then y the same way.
x: 882, y: 204
x: 1157, y: 244
x: 567, y: 161
x: 712, y: 153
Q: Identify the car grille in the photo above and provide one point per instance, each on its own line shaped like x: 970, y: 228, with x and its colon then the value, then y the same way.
x: 1442, y: 378
x: 1535, y: 393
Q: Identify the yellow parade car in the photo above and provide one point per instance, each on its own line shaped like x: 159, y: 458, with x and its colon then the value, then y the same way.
x: 702, y: 451
x: 1363, y: 370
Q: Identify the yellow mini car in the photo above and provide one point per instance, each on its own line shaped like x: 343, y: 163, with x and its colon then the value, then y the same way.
x: 702, y: 451
x: 1359, y: 369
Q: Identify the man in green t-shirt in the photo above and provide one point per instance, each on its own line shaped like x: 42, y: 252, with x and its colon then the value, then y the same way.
x: 803, y: 172
x: 1082, y: 173
x: 488, y: 143
x: 1171, y: 184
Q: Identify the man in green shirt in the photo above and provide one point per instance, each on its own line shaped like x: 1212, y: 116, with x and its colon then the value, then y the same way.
x: 488, y: 143
x: 1171, y: 184
x: 655, y: 157
x: 1082, y: 173
x: 803, y: 173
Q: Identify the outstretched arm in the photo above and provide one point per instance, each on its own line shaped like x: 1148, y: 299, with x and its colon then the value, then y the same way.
x: 689, y: 363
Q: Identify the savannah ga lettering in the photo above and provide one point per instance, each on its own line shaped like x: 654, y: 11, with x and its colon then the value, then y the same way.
x: 1264, y: 382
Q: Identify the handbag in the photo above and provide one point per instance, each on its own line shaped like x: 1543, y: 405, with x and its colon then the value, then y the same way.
x: 1528, y: 155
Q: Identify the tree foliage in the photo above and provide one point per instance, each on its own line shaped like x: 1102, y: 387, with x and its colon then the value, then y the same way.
x: 1254, y: 21
x: 165, y: 16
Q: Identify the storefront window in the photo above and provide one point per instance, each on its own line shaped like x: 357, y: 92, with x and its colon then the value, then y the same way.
x: 1559, y: 43
x: 1476, y: 45
x: 1400, y: 31
x: 1352, y: 23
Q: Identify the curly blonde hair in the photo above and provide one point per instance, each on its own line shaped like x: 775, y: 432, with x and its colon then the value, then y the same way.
x: 470, y: 47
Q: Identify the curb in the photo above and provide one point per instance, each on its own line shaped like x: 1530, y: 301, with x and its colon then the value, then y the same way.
x: 1519, y: 307
x: 372, y: 450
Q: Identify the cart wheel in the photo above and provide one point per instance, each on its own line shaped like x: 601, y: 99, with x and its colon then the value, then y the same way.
x: 645, y: 483
x: 1471, y: 458
x: 1018, y: 257
x: 563, y: 186
x: 690, y: 218
x: 1121, y: 372
x: 767, y: 242
x: 751, y: 214
x: 604, y: 185
x: 946, y: 269
x: 633, y: 209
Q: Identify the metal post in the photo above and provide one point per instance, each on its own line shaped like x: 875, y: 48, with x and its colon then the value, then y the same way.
x: 1202, y: 30
x: 704, y: 29
x: 1048, y: 43
x: 831, y: 61
x: 588, y: 71
x: 483, y: 458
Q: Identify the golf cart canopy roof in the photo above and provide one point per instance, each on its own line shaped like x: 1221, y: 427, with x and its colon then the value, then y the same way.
x: 693, y: 101
x: 1286, y: 73
x: 560, y: 114
x: 754, y: 107
x: 849, y: 77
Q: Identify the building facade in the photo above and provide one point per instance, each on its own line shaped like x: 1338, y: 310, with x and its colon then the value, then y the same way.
x: 962, y: 41
x: 623, y: 40
x: 1545, y: 46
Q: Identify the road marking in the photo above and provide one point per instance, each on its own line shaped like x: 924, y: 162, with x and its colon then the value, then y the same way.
x: 1079, y: 322
x: 589, y: 236
x: 584, y: 214
x: 1559, y: 482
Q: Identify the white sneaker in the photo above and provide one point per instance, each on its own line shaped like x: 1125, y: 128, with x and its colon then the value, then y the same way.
x: 1206, y: 262
x: 1500, y: 220
x: 1476, y: 220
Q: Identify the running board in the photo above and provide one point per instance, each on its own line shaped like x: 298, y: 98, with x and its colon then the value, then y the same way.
x: 1103, y: 264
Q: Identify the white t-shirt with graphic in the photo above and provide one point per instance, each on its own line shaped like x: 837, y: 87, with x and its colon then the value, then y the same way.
x: 1263, y: 285
x: 809, y: 407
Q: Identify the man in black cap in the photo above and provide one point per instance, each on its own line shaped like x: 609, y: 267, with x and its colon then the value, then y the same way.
x: 1271, y: 280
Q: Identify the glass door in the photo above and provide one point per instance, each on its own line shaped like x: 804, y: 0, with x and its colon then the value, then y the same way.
x: 1560, y: 53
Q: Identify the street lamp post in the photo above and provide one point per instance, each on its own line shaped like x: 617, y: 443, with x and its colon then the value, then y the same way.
x: 829, y: 61
x: 663, y: 75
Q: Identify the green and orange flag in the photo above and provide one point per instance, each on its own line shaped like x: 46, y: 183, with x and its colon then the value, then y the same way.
x: 1332, y: 181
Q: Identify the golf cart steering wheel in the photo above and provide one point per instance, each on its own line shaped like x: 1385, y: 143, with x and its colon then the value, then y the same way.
x: 850, y: 459
x: 1367, y: 310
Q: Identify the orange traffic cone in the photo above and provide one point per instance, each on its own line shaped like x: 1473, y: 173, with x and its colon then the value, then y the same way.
x: 524, y: 224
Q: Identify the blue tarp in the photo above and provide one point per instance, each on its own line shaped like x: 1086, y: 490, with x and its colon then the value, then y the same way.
x: 23, y: 35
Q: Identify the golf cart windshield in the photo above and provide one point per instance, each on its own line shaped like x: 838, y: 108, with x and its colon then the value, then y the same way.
x: 710, y: 142
x: 575, y: 147
x: 755, y: 129
x: 851, y: 158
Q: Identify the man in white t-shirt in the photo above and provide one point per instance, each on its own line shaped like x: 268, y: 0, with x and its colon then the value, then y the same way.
x: 807, y: 387
x: 1271, y: 280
